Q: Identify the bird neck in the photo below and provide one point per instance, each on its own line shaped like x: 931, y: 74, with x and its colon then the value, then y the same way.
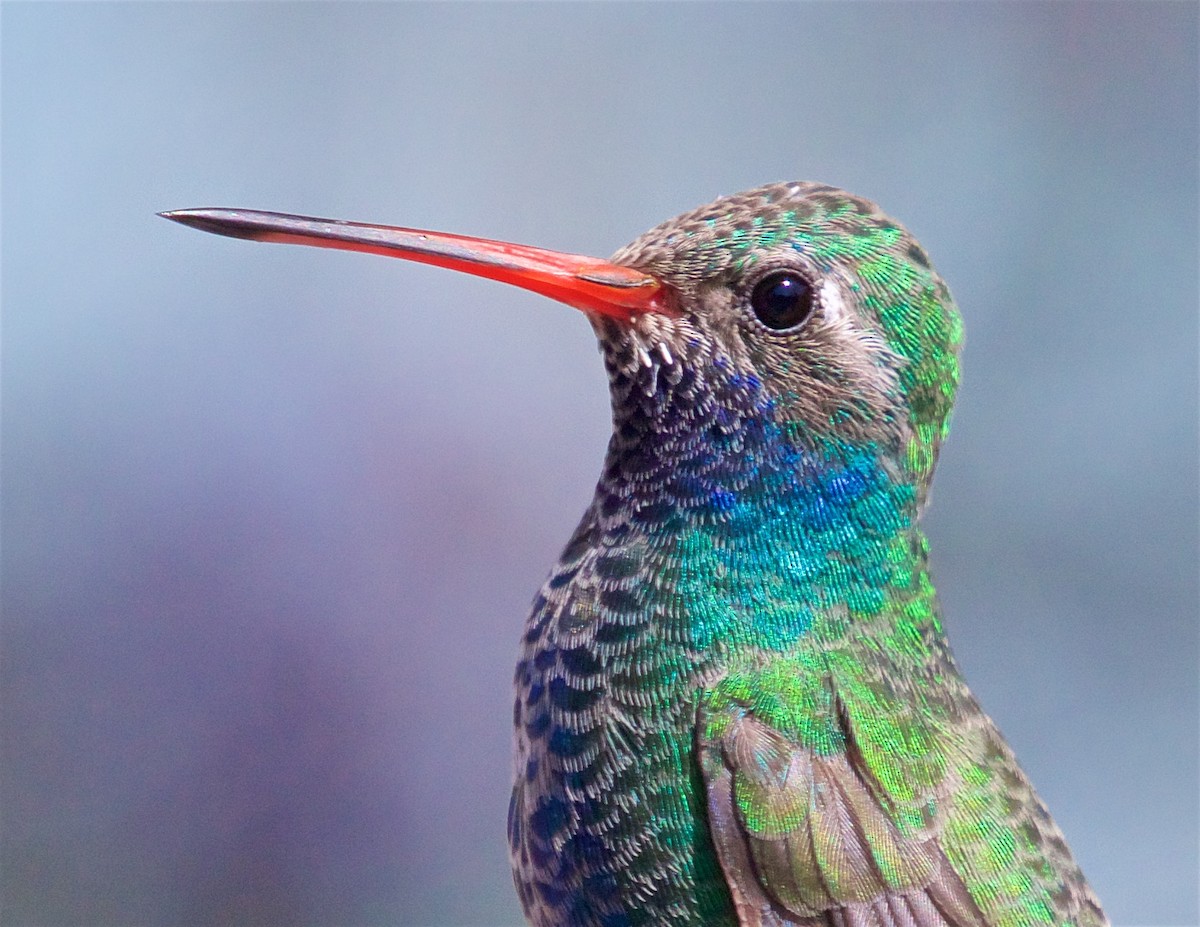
x: 761, y: 534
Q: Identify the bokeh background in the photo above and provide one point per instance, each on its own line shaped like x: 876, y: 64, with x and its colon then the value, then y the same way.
x: 272, y: 516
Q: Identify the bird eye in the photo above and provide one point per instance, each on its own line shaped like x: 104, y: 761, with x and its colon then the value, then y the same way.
x: 782, y: 300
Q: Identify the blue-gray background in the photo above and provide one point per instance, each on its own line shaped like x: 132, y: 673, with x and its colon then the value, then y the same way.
x: 272, y: 516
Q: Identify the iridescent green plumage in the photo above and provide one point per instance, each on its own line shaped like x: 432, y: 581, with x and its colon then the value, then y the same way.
x: 735, y: 702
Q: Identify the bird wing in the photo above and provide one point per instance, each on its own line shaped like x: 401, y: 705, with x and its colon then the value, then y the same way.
x: 811, y: 825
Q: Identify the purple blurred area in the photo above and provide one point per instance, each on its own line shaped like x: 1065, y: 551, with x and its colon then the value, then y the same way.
x: 271, y: 517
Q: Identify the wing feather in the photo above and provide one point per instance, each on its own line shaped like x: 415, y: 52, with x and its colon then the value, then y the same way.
x: 801, y: 834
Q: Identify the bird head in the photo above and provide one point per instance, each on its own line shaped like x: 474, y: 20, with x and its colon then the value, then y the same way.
x: 814, y: 305
x: 796, y: 308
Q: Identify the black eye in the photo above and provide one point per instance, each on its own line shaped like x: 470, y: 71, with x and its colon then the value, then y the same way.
x: 782, y: 300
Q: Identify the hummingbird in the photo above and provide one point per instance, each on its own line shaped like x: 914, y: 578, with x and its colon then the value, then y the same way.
x: 735, y: 704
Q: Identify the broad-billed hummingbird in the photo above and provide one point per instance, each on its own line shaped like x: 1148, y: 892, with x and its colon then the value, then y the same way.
x: 735, y: 704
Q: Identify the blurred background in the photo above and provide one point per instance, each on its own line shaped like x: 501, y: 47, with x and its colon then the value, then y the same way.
x: 272, y: 517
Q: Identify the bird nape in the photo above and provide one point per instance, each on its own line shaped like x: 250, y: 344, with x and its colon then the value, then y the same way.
x: 735, y: 703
